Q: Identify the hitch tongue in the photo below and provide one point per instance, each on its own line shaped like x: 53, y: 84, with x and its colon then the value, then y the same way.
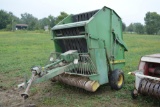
x: 25, y: 94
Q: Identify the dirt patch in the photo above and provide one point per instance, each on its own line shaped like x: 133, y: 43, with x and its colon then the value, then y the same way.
x: 11, y: 98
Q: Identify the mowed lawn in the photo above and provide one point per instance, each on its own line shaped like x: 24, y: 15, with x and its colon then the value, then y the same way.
x: 19, y: 51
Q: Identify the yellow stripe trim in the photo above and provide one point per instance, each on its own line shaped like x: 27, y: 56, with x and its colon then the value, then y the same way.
x: 117, y: 61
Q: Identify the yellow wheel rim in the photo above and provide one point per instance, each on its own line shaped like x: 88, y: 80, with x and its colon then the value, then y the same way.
x: 120, y: 80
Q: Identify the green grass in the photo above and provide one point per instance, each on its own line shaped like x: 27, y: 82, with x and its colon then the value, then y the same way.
x: 19, y: 51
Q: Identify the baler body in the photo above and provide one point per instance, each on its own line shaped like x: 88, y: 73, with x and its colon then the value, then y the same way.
x: 96, y: 33
x: 88, y: 52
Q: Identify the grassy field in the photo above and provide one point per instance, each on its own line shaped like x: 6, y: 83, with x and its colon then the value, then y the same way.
x: 19, y: 51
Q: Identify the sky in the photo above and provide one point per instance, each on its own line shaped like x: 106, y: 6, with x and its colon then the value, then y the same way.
x: 130, y: 11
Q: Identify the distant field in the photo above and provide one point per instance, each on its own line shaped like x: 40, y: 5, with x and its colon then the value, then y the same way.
x: 19, y: 51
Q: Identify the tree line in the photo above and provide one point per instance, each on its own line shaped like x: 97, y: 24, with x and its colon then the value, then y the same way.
x: 152, y: 25
x: 8, y: 20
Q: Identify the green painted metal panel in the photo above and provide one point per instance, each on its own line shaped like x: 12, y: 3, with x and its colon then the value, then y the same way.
x: 94, y: 44
x: 107, y: 25
x: 118, y: 66
x: 99, y: 58
x: 99, y: 27
x: 69, y: 25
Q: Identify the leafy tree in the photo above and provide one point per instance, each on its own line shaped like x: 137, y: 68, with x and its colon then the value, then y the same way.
x: 44, y: 22
x: 138, y: 28
x: 14, y: 21
x: 8, y: 20
x: 30, y: 20
x: 52, y: 20
x: 123, y: 26
x: 152, y: 21
x: 5, y: 19
x: 61, y: 17
x: 130, y: 28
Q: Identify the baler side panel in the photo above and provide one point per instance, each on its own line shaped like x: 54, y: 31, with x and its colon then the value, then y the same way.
x: 117, y: 48
x: 99, y: 27
x: 116, y: 26
x: 99, y: 58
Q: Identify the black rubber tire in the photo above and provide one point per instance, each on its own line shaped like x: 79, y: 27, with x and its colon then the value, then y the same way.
x: 114, y: 79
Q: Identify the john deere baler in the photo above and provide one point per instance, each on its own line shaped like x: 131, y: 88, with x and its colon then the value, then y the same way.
x: 89, y: 52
